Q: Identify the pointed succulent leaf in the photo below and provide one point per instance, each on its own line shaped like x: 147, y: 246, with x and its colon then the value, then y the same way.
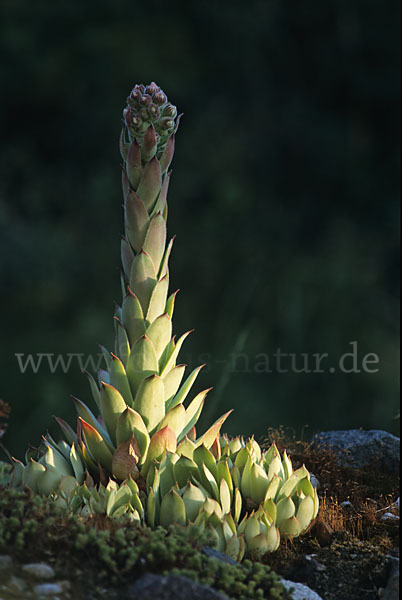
x: 167, y: 155
x: 172, y: 380
x: 273, y: 487
x: 130, y: 423
x: 210, y: 481
x: 186, y: 448
x: 160, y: 333
x: 161, y: 204
x: 123, y: 146
x: 163, y: 440
x: 143, y: 279
x: 96, y: 445
x: 184, y: 468
x: 175, y: 418
x: 142, y: 362
x: 149, y: 144
x: 287, y: 465
x: 68, y: 432
x: 170, y: 304
x: 122, y: 344
x: 136, y: 220
x: 165, y: 260
x: 173, y: 509
x: 76, y: 463
x: 125, y: 184
x: 290, y: 527
x: 259, y: 483
x: 269, y: 507
x: 150, y: 401
x: 209, y: 436
x: 94, y: 389
x: 285, y: 509
x: 193, y: 412
x: 118, y: 499
x: 171, y: 360
x: 155, y: 240
x: 48, y: 482
x: 305, y: 512
x: 106, y: 355
x: 245, y: 486
x: 112, y: 406
x: 235, y: 548
x: 166, y: 469
x: 157, y: 303
x: 275, y: 468
x: 119, y: 380
x: 127, y: 256
x: 203, y: 456
x: 133, y: 317
x: 184, y: 390
x: 133, y: 164
x: 224, y: 496
x: 224, y: 473
x: 237, y: 505
x: 31, y: 474
x: 193, y: 498
x: 288, y: 487
x: 151, y: 508
x: 88, y: 416
x: 150, y: 183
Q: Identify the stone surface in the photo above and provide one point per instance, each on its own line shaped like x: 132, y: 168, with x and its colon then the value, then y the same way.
x: 357, y: 448
x: 172, y: 587
x: 300, y: 591
x: 48, y: 589
x: 5, y: 562
x: 391, y: 592
x: 38, y: 570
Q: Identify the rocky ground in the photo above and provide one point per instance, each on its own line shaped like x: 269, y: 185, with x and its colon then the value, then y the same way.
x: 350, y: 553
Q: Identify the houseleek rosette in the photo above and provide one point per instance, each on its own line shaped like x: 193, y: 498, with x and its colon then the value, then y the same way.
x: 141, y: 457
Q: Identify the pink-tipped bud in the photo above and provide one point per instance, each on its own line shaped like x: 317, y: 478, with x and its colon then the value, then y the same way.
x: 160, y: 98
x: 152, y: 88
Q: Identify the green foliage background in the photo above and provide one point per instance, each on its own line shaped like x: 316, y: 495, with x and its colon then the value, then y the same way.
x: 284, y: 198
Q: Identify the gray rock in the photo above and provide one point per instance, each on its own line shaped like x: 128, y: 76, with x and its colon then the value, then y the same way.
x: 38, y: 570
x: 391, y: 592
x: 300, y: 591
x: 5, y: 562
x: 48, y: 589
x: 357, y: 448
x: 171, y: 587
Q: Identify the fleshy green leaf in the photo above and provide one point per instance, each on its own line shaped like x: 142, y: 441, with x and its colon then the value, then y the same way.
x: 133, y: 317
x: 157, y: 302
x: 150, y: 183
x: 160, y: 333
x: 131, y: 423
x: 119, y: 380
x: 184, y: 390
x: 155, y: 240
x: 172, y: 381
x: 96, y: 445
x: 112, y: 406
x: 141, y: 363
x: 150, y: 401
x: 143, y: 279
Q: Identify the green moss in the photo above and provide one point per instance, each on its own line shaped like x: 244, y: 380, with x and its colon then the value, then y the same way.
x: 95, y: 552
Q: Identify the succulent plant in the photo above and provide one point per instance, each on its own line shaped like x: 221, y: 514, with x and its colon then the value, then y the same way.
x: 141, y: 456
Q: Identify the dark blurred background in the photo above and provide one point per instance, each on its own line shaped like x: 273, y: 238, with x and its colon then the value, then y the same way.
x: 284, y: 199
